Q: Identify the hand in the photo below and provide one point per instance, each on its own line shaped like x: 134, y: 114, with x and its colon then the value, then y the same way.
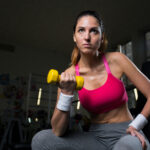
x: 67, y: 83
x: 131, y: 130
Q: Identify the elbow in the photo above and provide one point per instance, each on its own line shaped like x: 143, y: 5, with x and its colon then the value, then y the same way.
x: 57, y: 133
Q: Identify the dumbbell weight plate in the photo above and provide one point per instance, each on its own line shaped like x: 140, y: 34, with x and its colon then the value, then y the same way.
x: 53, y: 76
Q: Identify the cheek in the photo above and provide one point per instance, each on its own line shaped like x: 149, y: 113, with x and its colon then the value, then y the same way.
x: 78, y: 40
x: 98, y: 43
x: 78, y: 43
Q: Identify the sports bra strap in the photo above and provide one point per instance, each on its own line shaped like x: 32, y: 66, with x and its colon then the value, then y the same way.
x: 77, y: 69
x: 106, y: 64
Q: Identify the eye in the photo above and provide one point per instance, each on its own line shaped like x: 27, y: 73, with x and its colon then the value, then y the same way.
x: 95, y: 31
x: 81, y: 30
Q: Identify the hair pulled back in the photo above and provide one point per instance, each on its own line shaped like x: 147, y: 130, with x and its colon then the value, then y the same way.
x: 75, y: 53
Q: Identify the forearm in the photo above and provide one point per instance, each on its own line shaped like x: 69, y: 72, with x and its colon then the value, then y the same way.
x: 59, y: 122
x: 60, y: 119
x: 146, y: 109
x: 142, y: 119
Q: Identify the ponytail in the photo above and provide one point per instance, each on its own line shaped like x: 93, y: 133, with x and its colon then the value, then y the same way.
x: 104, y: 45
x: 75, y: 56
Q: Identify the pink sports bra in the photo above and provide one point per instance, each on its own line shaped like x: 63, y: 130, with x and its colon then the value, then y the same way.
x: 109, y: 96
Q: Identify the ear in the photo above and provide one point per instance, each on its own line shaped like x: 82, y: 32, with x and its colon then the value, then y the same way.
x: 74, y: 39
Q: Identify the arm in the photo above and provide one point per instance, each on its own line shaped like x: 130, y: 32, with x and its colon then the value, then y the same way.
x: 142, y: 83
x: 60, y: 119
x: 138, y: 79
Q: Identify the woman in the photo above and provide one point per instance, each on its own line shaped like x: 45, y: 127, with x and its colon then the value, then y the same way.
x: 103, y: 95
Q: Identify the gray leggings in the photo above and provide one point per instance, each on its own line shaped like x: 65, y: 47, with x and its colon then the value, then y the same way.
x: 99, y: 137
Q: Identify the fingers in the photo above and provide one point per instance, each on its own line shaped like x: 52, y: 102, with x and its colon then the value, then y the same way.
x: 67, y: 83
x: 142, y: 139
x: 65, y: 76
x: 134, y: 132
x: 131, y: 131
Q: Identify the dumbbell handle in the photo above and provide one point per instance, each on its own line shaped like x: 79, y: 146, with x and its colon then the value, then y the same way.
x: 54, y: 77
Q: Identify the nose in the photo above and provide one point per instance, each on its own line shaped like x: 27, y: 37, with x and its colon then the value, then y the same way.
x: 87, y: 36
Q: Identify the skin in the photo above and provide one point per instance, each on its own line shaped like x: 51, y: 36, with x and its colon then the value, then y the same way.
x: 88, y: 38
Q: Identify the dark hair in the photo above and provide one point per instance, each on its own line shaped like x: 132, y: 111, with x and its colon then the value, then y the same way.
x: 89, y: 13
x: 75, y: 53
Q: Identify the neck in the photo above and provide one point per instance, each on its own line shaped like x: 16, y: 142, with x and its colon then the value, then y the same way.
x: 90, y: 61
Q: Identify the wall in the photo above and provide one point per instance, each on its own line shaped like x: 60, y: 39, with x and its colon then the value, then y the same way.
x: 21, y: 63
x: 26, y: 60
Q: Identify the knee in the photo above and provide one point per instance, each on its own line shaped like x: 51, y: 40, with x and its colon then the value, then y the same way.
x: 128, y: 142
x: 37, y: 138
x: 40, y: 139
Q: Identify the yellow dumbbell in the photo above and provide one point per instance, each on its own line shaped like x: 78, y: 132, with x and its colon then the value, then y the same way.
x: 54, y: 77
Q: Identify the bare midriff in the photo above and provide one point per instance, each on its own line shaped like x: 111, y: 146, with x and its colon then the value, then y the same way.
x: 117, y: 115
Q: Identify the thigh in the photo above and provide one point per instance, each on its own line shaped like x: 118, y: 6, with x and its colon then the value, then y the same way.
x: 129, y: 142
x: 46, y: 140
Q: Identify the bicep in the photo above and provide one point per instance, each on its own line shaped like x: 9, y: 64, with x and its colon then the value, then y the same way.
x: 141, y: 82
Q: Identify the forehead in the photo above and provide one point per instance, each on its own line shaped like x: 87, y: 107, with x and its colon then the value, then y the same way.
x: 87, y: 21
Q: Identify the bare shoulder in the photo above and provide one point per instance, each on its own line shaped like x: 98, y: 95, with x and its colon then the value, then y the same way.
x: 119, y: 63
x: 116, y: 57
x: 119, y: 59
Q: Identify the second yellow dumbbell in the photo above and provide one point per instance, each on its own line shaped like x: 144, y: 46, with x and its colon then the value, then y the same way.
x: 54, y: 77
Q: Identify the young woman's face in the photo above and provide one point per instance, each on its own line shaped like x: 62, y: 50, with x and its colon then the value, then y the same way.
x: 88, y: 35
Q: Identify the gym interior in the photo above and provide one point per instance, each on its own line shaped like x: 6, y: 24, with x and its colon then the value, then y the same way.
x: 36, y: 36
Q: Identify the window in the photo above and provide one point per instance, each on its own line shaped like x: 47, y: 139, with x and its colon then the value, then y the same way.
x: 126, y: 49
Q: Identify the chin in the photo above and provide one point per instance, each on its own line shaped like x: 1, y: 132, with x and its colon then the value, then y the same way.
x: 88, y: 51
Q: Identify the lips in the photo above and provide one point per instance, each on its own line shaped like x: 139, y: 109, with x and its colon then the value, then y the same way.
x: 86, y: 45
